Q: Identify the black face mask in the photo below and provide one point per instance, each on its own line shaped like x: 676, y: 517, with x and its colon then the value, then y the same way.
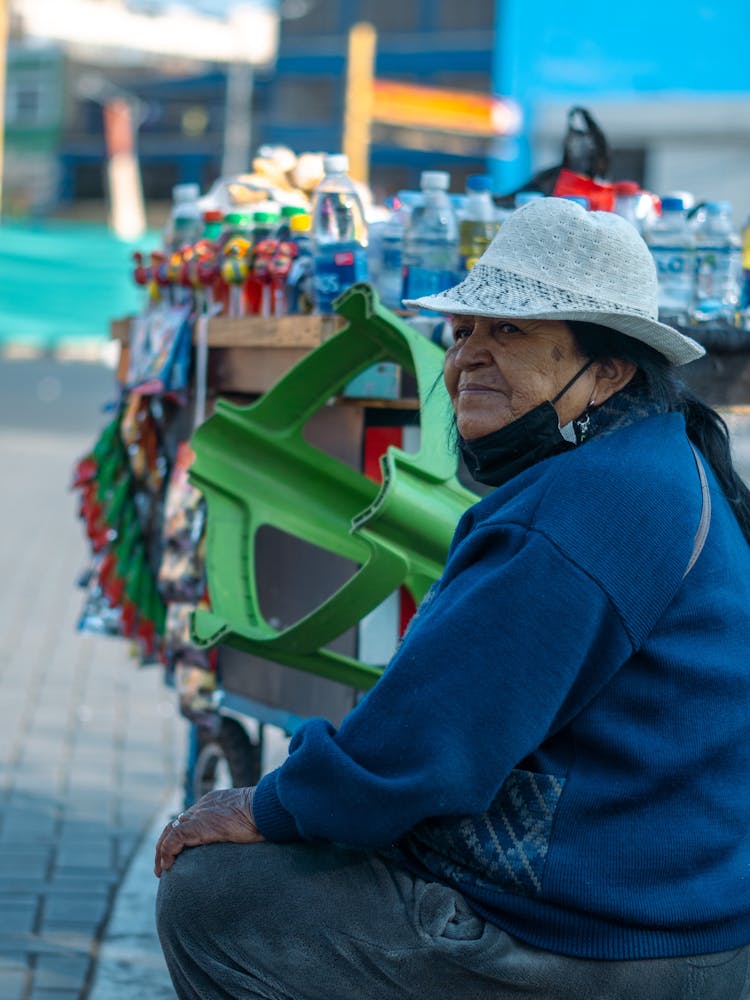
x: 496, y: 457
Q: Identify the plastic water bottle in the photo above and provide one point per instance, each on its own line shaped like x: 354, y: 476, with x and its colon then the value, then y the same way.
x: 300, y: 293
x: 672, y: 246
x: 284, y: 228
x: 431, y: 240
x: 339, y: 233
x: 390, y: 274
x: 718, y: 266
x: 627, y: 202
x: 479, y: 221
x: 185, y: 224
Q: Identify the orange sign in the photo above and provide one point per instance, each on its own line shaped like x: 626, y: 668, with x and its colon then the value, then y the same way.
x: 444, y: 110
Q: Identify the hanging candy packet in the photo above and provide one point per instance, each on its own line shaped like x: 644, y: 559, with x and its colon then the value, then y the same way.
x: 140, y: 436
x: 159, y: 343
x: 182, y: 571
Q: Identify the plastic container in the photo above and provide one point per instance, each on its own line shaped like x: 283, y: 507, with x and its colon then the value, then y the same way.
x: 201, y: 266
x: 284, y: 228
x: 479, y: 221
x: 185, y: 224
x: 234, y: 256
x: 390, y: 278
x: 627, y: 202
x: 431, y: 240
x: 718, y: 266
x: 300, y: 291
x: 213, y: 223
x: 339, y: 233
x: 235, y: 224
x: 672, y: 245
x: 265, y: 224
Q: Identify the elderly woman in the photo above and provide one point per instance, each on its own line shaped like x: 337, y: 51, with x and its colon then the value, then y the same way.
x: 548, y: 792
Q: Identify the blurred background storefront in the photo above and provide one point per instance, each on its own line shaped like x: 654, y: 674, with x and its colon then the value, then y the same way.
x: 670, y: 84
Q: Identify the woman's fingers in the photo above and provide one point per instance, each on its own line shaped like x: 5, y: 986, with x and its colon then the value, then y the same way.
x: 223, y: 816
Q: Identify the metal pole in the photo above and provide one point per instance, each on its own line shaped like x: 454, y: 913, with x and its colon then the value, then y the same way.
x: 238, y: 119
x: 3, y: 64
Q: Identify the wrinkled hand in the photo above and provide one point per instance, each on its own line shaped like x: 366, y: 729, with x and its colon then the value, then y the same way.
x: 223, y: 816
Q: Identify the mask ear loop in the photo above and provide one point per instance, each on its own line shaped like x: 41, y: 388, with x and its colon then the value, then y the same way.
x: 575, y: 378
x: 582, y: 423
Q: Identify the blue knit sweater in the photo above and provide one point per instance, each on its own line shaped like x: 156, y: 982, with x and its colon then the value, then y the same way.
x: 564, y: 732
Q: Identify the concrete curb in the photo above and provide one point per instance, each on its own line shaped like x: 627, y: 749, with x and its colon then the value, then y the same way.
x: 91, y: 350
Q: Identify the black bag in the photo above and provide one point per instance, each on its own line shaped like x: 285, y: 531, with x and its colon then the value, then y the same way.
x: 585, y: 151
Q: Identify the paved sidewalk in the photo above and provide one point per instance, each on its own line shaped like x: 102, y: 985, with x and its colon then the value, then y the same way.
x: 130, y: 962
x: 91, y: 746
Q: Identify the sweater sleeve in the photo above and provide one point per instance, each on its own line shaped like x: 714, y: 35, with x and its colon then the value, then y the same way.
x: 516, y: 638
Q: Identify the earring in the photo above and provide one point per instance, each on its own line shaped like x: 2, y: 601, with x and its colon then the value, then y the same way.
x: 583, y: 423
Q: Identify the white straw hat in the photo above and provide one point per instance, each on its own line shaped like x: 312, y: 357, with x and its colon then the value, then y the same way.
x: 552, y: 259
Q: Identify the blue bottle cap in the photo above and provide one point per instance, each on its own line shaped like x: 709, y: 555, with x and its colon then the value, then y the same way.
x: 670, y: 204
x: 479, y: 182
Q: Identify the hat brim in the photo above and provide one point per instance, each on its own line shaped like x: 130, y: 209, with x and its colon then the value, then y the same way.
x: 676, y: 347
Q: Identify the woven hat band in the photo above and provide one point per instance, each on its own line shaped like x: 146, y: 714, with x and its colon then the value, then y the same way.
x: 499, y: 292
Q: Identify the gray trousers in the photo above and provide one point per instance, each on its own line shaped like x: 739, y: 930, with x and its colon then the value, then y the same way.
x: 301, y: 922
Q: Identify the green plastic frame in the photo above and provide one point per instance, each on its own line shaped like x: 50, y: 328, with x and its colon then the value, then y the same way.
x: 255, y: 468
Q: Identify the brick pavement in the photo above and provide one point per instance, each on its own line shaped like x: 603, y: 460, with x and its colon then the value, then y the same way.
x: 91, y: 745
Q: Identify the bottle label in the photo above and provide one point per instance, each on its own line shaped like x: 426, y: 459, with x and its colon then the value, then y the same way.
x: 335, y: 271
x: 420, y: 281
x: 392, y: 257
x: 675, y: 274
x: 717, y: 281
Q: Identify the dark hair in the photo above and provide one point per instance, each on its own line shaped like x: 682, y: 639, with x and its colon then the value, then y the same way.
x: 705, y: 427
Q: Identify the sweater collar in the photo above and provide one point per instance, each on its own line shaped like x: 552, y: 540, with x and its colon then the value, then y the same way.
x: 634, y: 402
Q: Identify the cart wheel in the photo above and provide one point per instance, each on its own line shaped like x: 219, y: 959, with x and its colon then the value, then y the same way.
x: 230, y: 759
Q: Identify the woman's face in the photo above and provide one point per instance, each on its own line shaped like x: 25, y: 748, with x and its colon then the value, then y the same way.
x: 498, y: 369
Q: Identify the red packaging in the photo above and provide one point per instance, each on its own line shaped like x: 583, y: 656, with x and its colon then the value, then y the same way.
x: 600, y: 194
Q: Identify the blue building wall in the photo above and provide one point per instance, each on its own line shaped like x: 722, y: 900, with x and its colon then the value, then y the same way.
x: 552, y: 51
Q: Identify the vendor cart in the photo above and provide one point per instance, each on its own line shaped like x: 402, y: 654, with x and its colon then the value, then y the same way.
x: 240, y: 361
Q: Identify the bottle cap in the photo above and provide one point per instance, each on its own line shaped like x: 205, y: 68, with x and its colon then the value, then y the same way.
x: 213, y: 215
x: 300, y: 223
x: 479, y: 182
x: 287, y: 211
x: 688, y: 200
x: 186, y: 192
x: 671, y: 204
x: 238, y: 219
x: 265, y: 216
x: 437, y: 180
x: 336, y: 163
x: 626, y: 187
